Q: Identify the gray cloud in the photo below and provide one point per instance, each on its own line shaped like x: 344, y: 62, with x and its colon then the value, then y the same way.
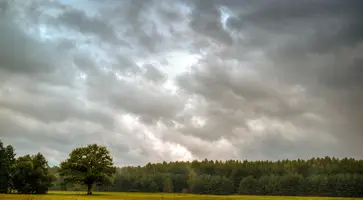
x: 313, y: 44
x: 206, y: 19
x: 60, y: 106
x: 145, y: 101
x: 19, y: 53
x: 79, y: 21
x: 251, y: 79
x: 153, y: 73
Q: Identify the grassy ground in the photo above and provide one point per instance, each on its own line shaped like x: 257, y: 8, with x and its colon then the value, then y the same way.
x: 140, y: 196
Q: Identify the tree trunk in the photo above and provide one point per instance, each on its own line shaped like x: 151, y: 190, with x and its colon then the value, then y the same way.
x: 89, y: 189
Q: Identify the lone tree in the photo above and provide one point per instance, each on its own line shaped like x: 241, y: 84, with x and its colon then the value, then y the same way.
x: 88, y: 165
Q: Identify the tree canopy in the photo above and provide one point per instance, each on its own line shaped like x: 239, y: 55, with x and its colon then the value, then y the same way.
x: 314, y: 177
x: 7, y: 162
x: 31, y: 175
x: 88, y: 165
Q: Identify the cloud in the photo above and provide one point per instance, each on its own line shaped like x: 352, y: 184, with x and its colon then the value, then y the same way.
x: 206, y: 19
x: 79, y: 21
x: 155, y: 80
x: 314, y: 45
x: 153, y: 73
x: 19, y: 53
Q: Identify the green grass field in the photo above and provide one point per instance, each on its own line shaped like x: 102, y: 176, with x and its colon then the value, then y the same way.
x: 56, y: 195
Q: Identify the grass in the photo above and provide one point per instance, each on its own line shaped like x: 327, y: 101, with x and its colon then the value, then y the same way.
x: 57, y: 195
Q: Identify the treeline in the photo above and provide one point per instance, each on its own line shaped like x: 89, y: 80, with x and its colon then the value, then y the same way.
x: 82, y: 170
x: 27, y: 174
x: 314, y: 177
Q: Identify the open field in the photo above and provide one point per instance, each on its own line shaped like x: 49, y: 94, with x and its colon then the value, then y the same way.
x: 56, y: 195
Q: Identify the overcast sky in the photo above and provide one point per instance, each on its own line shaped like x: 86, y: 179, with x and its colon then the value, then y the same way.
x: 182, y: 80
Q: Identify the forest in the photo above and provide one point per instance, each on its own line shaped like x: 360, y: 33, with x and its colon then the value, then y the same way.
x: 314, y: 177
x: 327, y: 176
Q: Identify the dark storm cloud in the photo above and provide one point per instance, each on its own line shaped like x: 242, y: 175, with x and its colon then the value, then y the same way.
x: 86, y: 64
x: 236, y: 94
x: 41, y: 105
x: 36, y: 85
x: 17, y: 52
x: 206, y: 20
x: 150, y: 26
x: 326, y: 24
x: 25, y: 57
x: 348, y: 76
x: 79, y: 21
x: 134, y: 20
x: 300, y: 27
x: 308, y: 27
x: 274, y: 79
x: 317, y: 44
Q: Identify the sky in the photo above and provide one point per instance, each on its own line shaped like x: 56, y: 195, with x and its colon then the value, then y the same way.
x: 160, y: 80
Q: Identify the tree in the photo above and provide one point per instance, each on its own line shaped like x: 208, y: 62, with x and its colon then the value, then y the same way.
x: 168, y: 185
x: 291, y: 183
x: 200, y: 184
x: 221, y: 185
x: 248, y: 185
x: 3, y: 170
x: 153, y: 187
x: 88, y: 166
x: 7, y: 161
x: 31, y: 174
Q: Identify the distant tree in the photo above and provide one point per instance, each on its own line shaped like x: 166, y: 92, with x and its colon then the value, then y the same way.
x: 248, y: 185
x: 31, y: 175
x: 88, y: 165
x: 54, y: 170
x: 221, y: 185
x: 168, y: 185
x: 314, y: 177
x: 180, y: 182
x: 153, y: 187
x: 200, y: 184
x: 291, y: 184
x: 7, y: 162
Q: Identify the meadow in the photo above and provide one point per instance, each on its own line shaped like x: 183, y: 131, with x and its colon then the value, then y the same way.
x: 56, y: 195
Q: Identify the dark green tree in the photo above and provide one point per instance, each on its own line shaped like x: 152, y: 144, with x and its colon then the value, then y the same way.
x: 88, y: 165
x: 153, y: 187
x: 222, y: 185
x: 291, y: 184
x: 200, y: 184
x: 248, y: 185
x: 168, y: 185
x: 31, y: 174
x: 7, y: 162
x: 3, y: 170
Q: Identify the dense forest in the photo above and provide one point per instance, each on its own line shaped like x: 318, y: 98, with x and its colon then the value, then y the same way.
x: 314, y: 177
